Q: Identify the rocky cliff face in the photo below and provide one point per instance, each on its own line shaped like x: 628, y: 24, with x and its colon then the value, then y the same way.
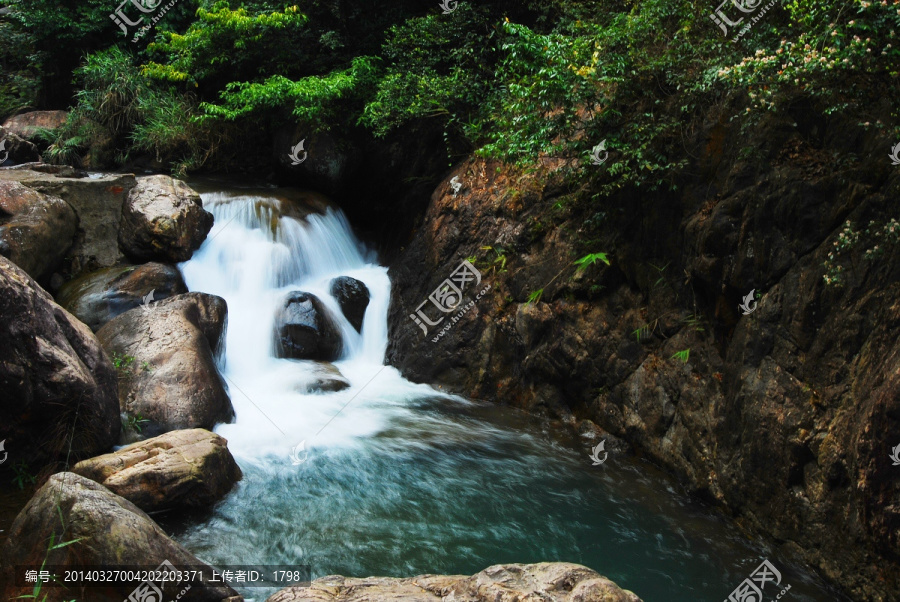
x: 784, y: 417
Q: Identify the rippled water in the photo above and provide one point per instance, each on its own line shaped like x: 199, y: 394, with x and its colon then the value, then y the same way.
x: 400, y: 479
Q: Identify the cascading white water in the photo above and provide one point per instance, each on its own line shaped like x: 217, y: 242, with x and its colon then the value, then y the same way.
x: 252, y: 258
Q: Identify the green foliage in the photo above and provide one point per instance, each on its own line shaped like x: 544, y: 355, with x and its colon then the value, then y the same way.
x: 499, y: 262
x: 876, y: 237
x: 22, y: 475
x: 590, y: 259
x: 227, y: 45
x: 535, y: 297
x: 51, y: 545
x: 134, y: 423
x: 122, y: 363
x: 682, y: 355
x: 315, y: 100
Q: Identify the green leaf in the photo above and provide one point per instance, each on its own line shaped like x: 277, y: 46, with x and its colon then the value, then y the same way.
x: 590, y: 259
x: 682, y: 355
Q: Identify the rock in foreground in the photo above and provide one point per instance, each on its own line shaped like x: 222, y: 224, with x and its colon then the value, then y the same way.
x: 55, y: 381
x: 163, y: 219
x: 167, y: 370
x: 107, y: 530
x: 36, y: 230
x: 544, y: 582
x: 181, y: 469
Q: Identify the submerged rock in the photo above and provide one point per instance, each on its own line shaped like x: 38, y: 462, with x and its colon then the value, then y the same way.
x: 180, y: 469
x: 36, y: 229
x: 353, y: 297
x: 163, y: 219
x: 325, y: 378
x: 305, y: 329
x: 57, y: 388
x: 165, y: 354
x: 100, y: 296
x: 105, y: 530
x: 546, y: 581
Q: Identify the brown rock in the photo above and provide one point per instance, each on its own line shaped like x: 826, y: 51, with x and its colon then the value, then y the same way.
x: 543, y: 582
x: 98, y: 205
x: 100, y: 296
x: 167, y: 372
x: 188, y: 468
x: 36, y: 230
x: 57, y: 387
x: 106, y: 531
x: 163, y: 219
x: 27, y: 124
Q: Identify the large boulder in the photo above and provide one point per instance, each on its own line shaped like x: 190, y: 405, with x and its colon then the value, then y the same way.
x: 26, y: 125
x: 546, y: 581
x: 163, y: 219
x: 165, y: 352
x: 181, y: 469
x: 36, y: 230
x: 100, y: 296
x: 97, y: 202
x: 353, y: 297
x: 306, y: 330
x: 15, y: 150
x: 57, y: 388
x: 103, y: 530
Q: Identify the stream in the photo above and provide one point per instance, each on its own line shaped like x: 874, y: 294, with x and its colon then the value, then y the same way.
x: 400, y: 479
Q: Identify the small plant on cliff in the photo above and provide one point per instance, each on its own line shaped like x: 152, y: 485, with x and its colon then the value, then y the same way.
x: 884, y: 237
x: 51, y: 545
x: 122, y: 363
x: 682, y: 355
x: 135, y: 422
x: 582, y: 264
x: 22, y: 475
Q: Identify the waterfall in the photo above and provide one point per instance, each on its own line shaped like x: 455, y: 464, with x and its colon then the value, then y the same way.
x: 256, y: 254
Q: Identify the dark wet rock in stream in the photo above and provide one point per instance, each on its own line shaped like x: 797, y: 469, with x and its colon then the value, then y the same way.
x: 57, y: 387
x: 189, y: 468
x: 546, y: 581
x: 105, y: 530
x: 353, y: 297
x: 100, y: 296
x: 784, y: 417
x: 322, y: 377
x: 165, y: 353
x: 36, y: 230
x: 163, y: 220
x: 306, y: 330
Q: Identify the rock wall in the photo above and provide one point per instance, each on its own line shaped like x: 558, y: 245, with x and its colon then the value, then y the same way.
x: 785, y: 417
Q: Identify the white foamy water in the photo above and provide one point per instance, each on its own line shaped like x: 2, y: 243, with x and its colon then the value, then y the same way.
x: 252, y: 259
